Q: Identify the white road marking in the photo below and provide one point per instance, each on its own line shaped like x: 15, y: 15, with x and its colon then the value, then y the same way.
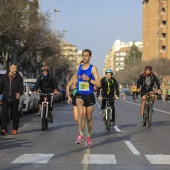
x: 33, y: 158
x: 159, y: 159
x: 153, y: 107
x: 99, y: 159
x: 117, y: 129
x: 132, y: 148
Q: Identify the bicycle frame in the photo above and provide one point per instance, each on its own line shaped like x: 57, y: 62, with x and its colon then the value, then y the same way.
x: 147, y: 115
x: 45, y: 113
x: 108, y: 108
x: 46, y: 103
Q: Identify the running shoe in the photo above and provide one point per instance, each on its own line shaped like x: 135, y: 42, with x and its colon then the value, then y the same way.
x: 89, y: 142
x: 3, y: 132
x: 79, y: 139
x: 14, y: 132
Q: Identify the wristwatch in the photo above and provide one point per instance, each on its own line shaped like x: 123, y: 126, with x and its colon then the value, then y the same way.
x: 89, y: 80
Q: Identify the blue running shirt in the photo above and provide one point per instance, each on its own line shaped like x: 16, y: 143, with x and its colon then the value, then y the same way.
x: 84, y: 87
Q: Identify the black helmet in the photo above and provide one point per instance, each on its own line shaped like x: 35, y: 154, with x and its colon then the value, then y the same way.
x: 44, y: 68
x: 148, y: 68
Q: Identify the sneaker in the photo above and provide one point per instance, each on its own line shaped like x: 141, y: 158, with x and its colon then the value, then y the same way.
x: 79, y: 139
x: 14, y: 132
x: 39, y: 113
x: 51, y: 119
x: 141, y: 119
x: 89, y: 142
x: 3, y: 132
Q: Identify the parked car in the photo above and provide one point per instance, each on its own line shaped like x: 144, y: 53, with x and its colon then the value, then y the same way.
x: 29, y: 99
x: 31, y: 83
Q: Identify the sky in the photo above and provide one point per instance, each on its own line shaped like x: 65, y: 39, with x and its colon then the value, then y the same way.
x: 96, y: 24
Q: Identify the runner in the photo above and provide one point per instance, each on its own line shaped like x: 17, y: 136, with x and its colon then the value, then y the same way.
x: 87, y: 77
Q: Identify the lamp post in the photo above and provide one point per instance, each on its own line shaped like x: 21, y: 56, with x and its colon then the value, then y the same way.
x: 55, y: 29
x: 134, y: 59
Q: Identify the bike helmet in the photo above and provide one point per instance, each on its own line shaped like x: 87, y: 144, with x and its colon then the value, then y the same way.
x: 44, y: 68
x: 148, y: 68
x: 109, y: 71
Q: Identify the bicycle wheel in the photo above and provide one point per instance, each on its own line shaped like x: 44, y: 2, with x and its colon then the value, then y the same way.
x: 145, y: 116
x: 150, y: 116
x: 43, y: 117
x: 108, y: 120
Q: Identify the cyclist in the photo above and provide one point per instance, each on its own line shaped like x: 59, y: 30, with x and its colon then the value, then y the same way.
x: 47, y: 85
x: 133, y: 89
x: 124, y: 93
x: 108, y: 87
x: 145, y: 84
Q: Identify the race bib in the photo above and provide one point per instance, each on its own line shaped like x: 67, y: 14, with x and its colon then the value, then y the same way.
x: 84, y: 86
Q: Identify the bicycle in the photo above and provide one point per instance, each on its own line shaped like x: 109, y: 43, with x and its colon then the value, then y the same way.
x: 45, y: 110
x: 107, y: 114
x: 148, y: 110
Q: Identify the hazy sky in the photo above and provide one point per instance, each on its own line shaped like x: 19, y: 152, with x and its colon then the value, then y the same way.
x: 96, y: 24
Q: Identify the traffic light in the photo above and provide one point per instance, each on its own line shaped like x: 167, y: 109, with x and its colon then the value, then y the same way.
x: 119, y: 65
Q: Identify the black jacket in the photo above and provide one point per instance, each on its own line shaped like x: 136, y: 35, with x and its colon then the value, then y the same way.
x: 142, y: 82
x: 106, y: 84
x: 8, y: 88
x: 46, y: 84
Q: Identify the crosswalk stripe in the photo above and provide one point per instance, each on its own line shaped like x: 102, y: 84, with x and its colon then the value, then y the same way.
x: 33, y: 158
x: 99, y: 159
x: 159, y: 159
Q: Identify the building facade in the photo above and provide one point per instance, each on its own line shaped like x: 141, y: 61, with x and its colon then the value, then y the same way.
x: 156, y: 32
x: 115, y: 59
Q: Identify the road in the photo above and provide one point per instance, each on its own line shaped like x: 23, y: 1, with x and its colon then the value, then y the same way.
x: 128, y: 146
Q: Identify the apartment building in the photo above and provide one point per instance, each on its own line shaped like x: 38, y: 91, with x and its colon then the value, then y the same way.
x: 156, y: 32
x: 115, y: 59
x: 69, y: 52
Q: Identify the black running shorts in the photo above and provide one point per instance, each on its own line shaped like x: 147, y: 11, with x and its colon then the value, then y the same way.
x: 88, y: 99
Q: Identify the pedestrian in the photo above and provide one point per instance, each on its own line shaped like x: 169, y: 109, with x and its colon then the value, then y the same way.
x: 87, y: 78
x: 11, y: 88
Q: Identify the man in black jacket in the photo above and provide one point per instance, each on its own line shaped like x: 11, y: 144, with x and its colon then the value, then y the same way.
x: 108, y: 88
x: 11, y: 88
x: 47, y: 85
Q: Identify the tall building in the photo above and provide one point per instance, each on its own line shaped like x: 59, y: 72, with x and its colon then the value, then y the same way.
x: 115, y: 59
x: 156, y: 32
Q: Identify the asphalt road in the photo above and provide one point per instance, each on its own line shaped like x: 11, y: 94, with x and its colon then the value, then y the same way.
x: 128, y: 146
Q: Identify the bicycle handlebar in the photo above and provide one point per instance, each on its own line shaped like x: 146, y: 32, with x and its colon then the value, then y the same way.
x: 46, y: 94
x: 149, y: 93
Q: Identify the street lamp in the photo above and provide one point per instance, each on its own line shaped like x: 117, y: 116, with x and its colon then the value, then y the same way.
x: 55, y: 11
x: 134, y: 59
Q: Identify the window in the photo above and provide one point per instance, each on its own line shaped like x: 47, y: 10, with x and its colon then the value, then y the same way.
x: 163, y: 35
x: 163, y: 23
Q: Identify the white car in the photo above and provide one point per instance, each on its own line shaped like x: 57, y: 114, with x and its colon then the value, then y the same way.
x: 29, y: 99
x: 31, y: 83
